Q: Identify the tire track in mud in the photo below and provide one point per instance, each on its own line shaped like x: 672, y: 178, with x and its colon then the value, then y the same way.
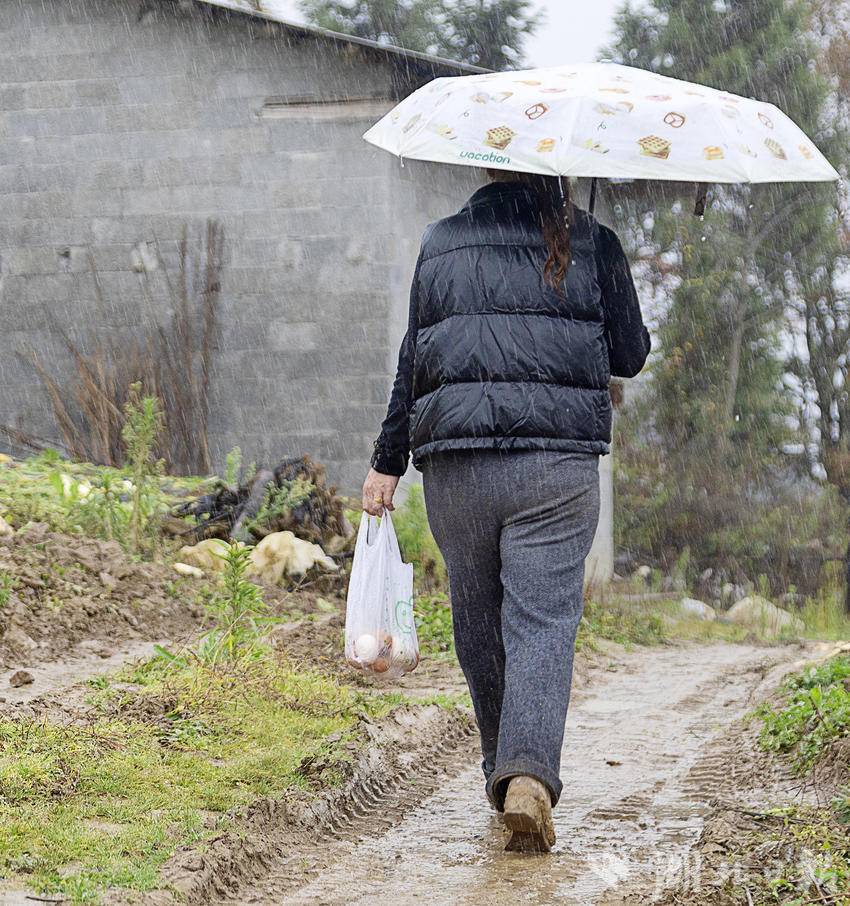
x: 640, y: 771
x: 297, y: 837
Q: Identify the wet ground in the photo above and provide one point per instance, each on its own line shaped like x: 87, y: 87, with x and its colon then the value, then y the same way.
x: 642, y: 762
x: 90, y: 658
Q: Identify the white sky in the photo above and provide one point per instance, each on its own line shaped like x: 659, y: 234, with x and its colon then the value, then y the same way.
x: 574, y: 30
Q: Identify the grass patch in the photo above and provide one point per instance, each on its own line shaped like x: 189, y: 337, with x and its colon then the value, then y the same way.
x: 620, y: 622
x: 825, y: 616
x: 166, y: 751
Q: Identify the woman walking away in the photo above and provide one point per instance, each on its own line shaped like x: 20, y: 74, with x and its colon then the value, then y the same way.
x: 522, y: 307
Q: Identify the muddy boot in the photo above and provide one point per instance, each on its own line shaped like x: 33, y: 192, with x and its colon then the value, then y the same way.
x: 528, y: 815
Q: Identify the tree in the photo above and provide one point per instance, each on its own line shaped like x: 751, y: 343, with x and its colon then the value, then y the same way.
x: 486, y: 33
x: 819, y: 285
x: 720, y: 408
x: 489, y: 33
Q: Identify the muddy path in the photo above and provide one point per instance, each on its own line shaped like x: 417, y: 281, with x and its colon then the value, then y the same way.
x: 87, y: 660
x: 641, y: 766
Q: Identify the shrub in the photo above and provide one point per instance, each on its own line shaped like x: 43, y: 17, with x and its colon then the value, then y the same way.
x: 417, y: 543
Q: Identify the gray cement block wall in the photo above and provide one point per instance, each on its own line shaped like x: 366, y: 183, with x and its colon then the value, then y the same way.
x: 123, y: 123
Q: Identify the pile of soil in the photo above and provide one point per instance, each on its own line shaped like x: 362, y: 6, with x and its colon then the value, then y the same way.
x: 69, y: 589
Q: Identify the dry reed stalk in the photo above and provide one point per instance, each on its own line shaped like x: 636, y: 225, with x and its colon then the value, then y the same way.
x: 171, y: 363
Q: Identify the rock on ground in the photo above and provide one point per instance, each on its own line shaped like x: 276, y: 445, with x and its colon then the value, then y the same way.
x: 186, y: 569
x: 17, y: 640
x: 758, y: 613
x: 691, y: 607
x: 21, y: 678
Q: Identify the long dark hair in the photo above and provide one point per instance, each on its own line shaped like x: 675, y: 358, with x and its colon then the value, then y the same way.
x: 553, y: 202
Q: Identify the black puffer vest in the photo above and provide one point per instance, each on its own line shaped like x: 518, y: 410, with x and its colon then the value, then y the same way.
x: 503, y: 361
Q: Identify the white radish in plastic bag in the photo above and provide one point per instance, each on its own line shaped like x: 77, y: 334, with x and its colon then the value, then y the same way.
x: 380, y: 634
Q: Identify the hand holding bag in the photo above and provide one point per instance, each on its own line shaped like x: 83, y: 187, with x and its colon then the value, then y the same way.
x: 380, y: 633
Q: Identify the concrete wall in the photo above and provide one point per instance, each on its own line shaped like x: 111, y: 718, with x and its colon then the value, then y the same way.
x: 121, y: 123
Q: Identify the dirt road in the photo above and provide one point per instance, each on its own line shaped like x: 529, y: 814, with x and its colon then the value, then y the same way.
x: 641, y: 763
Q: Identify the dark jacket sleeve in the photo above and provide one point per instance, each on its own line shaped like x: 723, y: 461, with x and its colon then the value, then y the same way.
x: 627, y: 338
x: 392, y: 448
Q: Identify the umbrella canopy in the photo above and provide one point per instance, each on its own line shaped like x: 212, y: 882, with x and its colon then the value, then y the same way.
x: 600, y: 120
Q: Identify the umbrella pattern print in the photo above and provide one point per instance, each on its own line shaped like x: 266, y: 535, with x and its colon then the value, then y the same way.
x: 600, y: 119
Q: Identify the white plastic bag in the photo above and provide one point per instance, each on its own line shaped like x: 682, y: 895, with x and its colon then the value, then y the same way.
x: 380, y: 634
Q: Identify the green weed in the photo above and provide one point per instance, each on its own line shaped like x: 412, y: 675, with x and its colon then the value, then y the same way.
x: 103, y: 512
x: 143, y: 425
x: 237, y: 609
x: 815, y: 714
x: 7, y: 585
x: 417, y: 543
x: 434, y: 626
x: 280, y: 500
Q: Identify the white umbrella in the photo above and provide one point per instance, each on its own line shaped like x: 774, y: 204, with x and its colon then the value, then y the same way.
x: 600, y: 120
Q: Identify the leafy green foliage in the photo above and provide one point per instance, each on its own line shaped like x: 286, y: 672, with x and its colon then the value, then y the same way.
x: 417, y: 543
x: 816, y: 713
x: 487, y: 33
x: 143, y: 425
x: 434, y: 626
x: 828, y: 674
x: 280, y: 500
x: 238, y: 612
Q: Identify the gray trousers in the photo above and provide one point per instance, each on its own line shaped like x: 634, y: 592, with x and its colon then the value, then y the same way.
x: 514, y: 529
